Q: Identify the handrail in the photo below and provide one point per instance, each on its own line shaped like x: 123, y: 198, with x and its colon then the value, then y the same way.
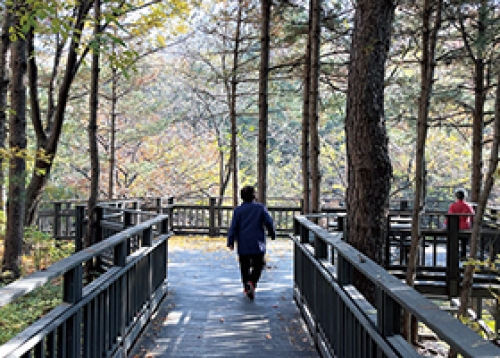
x: 124, y: 297
x: 37, y: 279
x: 394, y: 296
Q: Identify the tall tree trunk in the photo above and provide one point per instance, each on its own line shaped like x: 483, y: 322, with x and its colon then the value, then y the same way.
x: 306, y: 200
x: 92, y: 131
x: 4, y: 82
x: 427, y: 66
x: 47, y: 142
x: 313, y: 104
x: 232, y: 106
x: 17, y: 143
x: 369, y: 165
x: 483, y: 200
x: 224, y: 176
x: 263, y: 96
x: 112, y: 133
x: 479, y: 99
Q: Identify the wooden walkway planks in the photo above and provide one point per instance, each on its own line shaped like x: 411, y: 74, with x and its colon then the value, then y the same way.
x: 207, y: 315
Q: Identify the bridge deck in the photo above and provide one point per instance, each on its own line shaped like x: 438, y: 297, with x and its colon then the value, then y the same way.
x: 207, y: 315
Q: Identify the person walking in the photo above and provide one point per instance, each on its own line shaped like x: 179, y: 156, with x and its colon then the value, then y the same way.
x: 247, y: 230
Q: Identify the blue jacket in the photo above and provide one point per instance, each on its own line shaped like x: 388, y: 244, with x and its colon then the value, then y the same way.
x: 247, y: 228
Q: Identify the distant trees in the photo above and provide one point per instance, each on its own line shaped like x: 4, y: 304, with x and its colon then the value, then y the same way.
x: 48, y: 122
x: 49, y: 43
x: 230, y: 103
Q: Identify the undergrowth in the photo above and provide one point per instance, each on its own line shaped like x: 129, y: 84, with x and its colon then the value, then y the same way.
x: 41, y: 252
x: 18, y: 315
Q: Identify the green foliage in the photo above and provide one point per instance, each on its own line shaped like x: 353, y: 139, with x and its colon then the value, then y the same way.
x: 23, y: 312
x: 44, y: 250
x: 474, y: 326
x: 3, y: 220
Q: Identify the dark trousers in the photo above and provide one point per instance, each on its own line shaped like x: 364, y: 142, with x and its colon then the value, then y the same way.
x: 251, y: 267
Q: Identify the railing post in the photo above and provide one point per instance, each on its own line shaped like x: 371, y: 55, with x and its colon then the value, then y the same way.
x: 127, y: 219
x: 164, y: 263
x: 99, y: 216
x: 170, y: 203
x: 342, y: 225
x: 320, y: 247
x: 403, y: 205
x: 340, y: 222
x: 147, y: 237
x: 120, y: 259
x: 388, y: 314
x: 212, y: 231
x: 304, y: 234
x: 98, y: 234
x: 452, y: 255
x: 296, y: 226
x: 344, y: 271
x: 164, y: 226
x: 79, y: 226
x: 120, y: 254
x: 57, y: 220
x: 72, y: 293
x: 158, y: 205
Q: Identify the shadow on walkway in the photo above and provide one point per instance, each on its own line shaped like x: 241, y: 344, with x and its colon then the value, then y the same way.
x: 207, y: 315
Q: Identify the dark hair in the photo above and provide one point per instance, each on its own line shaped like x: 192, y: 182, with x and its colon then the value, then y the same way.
x: 460, y: 194
x: 247, y: 194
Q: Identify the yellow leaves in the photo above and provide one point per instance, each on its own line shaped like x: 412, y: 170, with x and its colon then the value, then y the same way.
x: 160, y: 39
x: 160, y: 18
x: 181, y: 28
x: 26, y: 154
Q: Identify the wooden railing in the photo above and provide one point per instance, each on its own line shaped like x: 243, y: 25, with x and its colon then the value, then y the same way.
x: 101, y: 318
x: 213, y: 219
x: 442, y: 253
x: 344, y: 323
x: 323, y: 277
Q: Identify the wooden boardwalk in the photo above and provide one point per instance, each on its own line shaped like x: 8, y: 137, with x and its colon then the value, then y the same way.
x: 206, y: 314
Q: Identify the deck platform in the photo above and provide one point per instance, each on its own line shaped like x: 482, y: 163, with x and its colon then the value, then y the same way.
x: 207, y: 315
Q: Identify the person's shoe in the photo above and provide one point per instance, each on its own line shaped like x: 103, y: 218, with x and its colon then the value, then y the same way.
x: 250, y: 290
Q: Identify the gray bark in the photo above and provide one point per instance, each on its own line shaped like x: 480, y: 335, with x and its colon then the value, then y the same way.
x: 306, y: 200
x: 263, y: 100
x: 369, y: 165
x: 92, y: 131
x: 479, y: 99
x: 17, y: 164
x: 468, y: 277
x: 112, y: 134
x: 430, y: 29
x: 232, y: 106
x: 4, y: 82
x: 313, y: 104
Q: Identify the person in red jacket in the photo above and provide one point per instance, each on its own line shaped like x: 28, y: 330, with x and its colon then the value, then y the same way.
x: 462, y: 207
